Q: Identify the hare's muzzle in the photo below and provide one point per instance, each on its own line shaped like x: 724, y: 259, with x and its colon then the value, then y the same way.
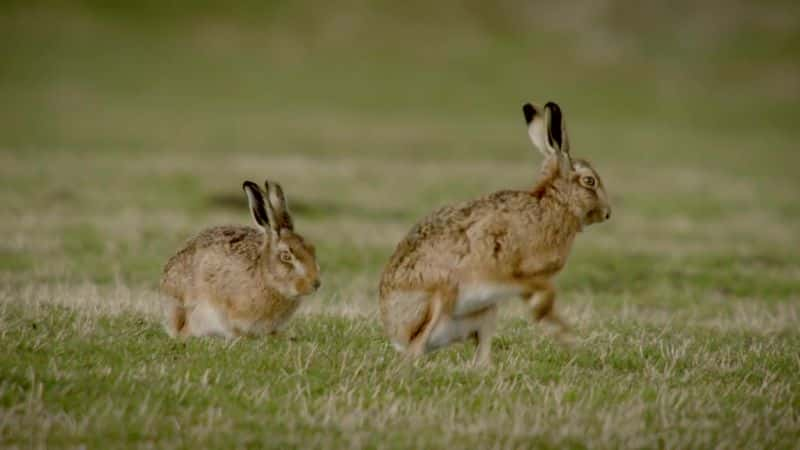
x: 598, y: 215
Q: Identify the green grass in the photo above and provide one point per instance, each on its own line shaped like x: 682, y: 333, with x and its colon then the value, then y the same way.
x: 124, y: 130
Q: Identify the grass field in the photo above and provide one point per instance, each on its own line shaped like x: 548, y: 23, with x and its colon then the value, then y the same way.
x: 125, y: 130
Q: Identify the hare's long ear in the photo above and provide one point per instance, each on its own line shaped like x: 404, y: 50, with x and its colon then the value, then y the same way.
x: 278, y: 205
x: 548, y: 132
x: 556, y: 128
x: 258, y: 207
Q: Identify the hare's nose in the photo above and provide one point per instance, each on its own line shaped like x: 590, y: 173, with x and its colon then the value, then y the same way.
x: 317, y: 284
x: 608, y: 214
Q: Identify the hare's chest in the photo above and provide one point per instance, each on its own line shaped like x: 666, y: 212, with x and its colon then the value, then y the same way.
x: 542, y: 258
x: 263, y: 315
x: 539, y: 266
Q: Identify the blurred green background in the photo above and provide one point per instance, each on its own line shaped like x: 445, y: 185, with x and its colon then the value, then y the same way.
x: 125, y: 127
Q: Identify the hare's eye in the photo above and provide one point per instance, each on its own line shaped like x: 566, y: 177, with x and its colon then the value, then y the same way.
x: 286, y: 257
x: 589, y: 181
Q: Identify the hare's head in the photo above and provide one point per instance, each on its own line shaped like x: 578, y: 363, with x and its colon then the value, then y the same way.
x: 576, y: 181
x: 290, y: 261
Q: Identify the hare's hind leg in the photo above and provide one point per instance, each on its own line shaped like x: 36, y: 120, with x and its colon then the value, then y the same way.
x: 436, y: 306
x: 176, y: 318
x: 403, y: 313
x: 479, y: 325
x: 419, y: 342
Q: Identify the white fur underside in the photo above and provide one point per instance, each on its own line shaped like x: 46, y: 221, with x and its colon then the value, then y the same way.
x: 479, y: 296
x: 398, y: 346
x: 449, y: 330
x: 465, y: 321
x: 205, y: 319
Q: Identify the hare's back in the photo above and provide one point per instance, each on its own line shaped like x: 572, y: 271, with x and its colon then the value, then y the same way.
x: 428, y: 253
x: 230, y: 239
x: 226, y: 242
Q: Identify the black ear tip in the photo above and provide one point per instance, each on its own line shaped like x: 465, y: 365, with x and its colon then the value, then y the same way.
x: 249, y: 184
x: 552, y: 105
x: 529, y: 111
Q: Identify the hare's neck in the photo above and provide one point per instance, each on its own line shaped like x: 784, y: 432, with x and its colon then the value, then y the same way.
x: 547, y: 178
x: 563, y: 221
x: 553, y: 193
x: 262, y: 273
x: 268, y: 284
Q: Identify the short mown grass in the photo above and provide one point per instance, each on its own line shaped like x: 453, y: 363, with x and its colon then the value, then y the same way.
x: 125, y: 130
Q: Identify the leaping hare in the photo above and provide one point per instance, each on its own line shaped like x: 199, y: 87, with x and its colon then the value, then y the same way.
x: 446, y: 277
x: 234, y: 280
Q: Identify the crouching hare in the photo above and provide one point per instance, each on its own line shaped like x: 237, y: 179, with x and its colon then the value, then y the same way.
x: 447, y: 276
x: 234, y: 280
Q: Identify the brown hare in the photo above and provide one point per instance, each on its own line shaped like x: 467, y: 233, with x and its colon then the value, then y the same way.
x: 446, y: 277
x: 234, y: 280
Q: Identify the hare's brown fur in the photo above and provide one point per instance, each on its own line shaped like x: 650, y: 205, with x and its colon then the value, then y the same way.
x: 454, y: 264
x: 504, y: 236
x: 222, y: 265
x: 228, y: 273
